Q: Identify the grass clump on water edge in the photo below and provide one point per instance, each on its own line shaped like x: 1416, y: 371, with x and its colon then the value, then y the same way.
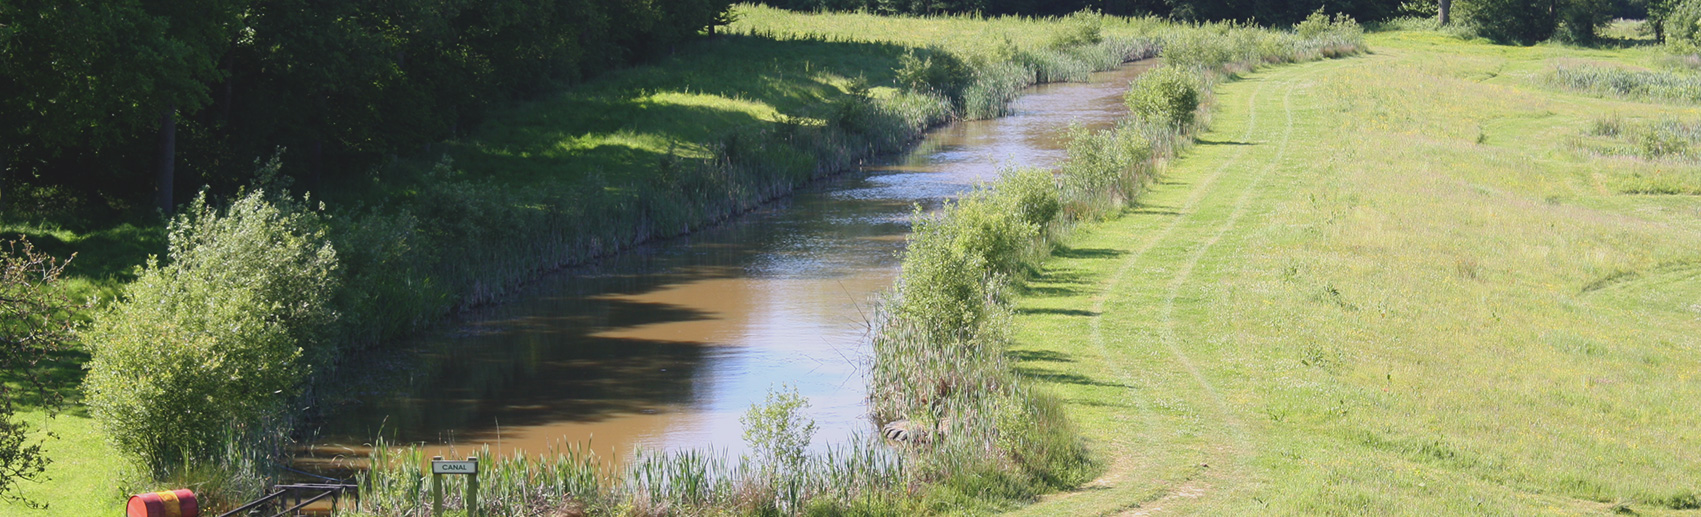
x: 779, y: 477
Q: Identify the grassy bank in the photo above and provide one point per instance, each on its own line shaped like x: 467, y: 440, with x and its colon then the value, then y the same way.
x: 1387, y: 285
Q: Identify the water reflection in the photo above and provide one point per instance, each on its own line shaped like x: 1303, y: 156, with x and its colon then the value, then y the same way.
x: 666, y: 346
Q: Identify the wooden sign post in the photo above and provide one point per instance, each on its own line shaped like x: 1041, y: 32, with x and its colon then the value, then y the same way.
x: 468, y: 468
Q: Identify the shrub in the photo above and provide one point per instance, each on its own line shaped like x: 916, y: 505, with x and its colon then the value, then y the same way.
x: 1165, y: 95
x: 217, y: 336
x: 1313, y: 25
x: 1082, y: 28
x: 934, y: 71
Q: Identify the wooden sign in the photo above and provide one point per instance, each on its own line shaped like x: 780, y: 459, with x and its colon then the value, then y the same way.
x: 454, y: 466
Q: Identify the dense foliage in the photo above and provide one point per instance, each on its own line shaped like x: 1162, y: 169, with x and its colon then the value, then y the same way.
x: 87, y: 86
x: 215, y: 339
x: 1167, y: 96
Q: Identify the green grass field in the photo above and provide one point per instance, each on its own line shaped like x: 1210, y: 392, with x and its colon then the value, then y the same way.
x: 1388, y: 285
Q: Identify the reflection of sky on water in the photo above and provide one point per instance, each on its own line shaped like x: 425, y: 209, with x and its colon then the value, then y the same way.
x: 667, y: 346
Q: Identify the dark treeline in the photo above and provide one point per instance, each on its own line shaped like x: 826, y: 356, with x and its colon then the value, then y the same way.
x: 106, y: 100
x: 1278, y: 12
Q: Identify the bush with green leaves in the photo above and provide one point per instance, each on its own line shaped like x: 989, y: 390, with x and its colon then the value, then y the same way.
x: 1681, y: 21
x: 934, y: 71
x: 1082, y: 28
x: 219, y: 334
x: 1165, y: 95
x: 1529, y: 21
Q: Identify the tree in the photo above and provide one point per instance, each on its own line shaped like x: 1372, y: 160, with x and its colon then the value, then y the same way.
x: 218, y: 338
x: 35, y: 322
x: 88, y: 73
x: 1513, y: 21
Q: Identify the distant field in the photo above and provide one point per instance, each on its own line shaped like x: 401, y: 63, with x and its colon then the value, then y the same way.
x: 1392, y: 284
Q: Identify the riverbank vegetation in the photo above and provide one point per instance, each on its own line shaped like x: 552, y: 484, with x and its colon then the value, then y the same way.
x: 980, y: 438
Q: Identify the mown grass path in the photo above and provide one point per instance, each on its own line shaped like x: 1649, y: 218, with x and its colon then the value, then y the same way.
x: 1365, y: 291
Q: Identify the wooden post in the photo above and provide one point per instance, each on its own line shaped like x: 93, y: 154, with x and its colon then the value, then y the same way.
x: 436, y: 491
x: 472, y: 490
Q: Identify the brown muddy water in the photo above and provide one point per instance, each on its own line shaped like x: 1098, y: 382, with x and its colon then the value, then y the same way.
x: 666, y: 346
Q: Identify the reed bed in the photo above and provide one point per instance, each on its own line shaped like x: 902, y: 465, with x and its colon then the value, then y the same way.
x: 1647, y: 85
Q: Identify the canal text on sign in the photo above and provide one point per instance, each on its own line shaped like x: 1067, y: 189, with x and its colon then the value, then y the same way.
x: 454, y: 466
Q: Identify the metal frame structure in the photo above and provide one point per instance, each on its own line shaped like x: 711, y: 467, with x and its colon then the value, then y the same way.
x: 302, y: 497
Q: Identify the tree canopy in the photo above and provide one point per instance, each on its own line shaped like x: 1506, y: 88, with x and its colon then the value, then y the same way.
x: 86, y: 84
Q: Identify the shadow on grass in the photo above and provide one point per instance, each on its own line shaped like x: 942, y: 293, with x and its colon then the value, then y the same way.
x: 1039, y: 355
x: 102, y: 256
x: 55, y: 386
x: 1064, y: 377
x: 1202, y: 141
x: 1151, y: 210
x: 623, y: 124
x: 1082, y: 253
x: 1059, y: 312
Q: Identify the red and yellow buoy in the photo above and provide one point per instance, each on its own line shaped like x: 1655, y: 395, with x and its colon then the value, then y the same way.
x: 175, y: 503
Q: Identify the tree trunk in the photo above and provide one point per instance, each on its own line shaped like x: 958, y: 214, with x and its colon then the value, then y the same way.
x: 315, y: 165
x: 1446, y: 12
x: 167, y: 160
x: 4, y: 176
x: 229, y: 84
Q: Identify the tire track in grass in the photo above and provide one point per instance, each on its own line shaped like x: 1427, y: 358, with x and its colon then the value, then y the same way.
x: 1185, y: 211
x: 1242, y: 445
x: 1199, y: 214
x: 1122, y: 466
x: 1116, y: 364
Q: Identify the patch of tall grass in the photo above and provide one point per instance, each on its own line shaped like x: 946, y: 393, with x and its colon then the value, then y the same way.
x: 861, y: 477
x: 1645, y: 85
x: 1666, y: 138
x: 1662, y: 140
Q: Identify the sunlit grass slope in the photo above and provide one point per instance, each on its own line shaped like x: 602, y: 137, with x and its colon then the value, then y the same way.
x: 770, y: 66
x: 1389, y: 285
